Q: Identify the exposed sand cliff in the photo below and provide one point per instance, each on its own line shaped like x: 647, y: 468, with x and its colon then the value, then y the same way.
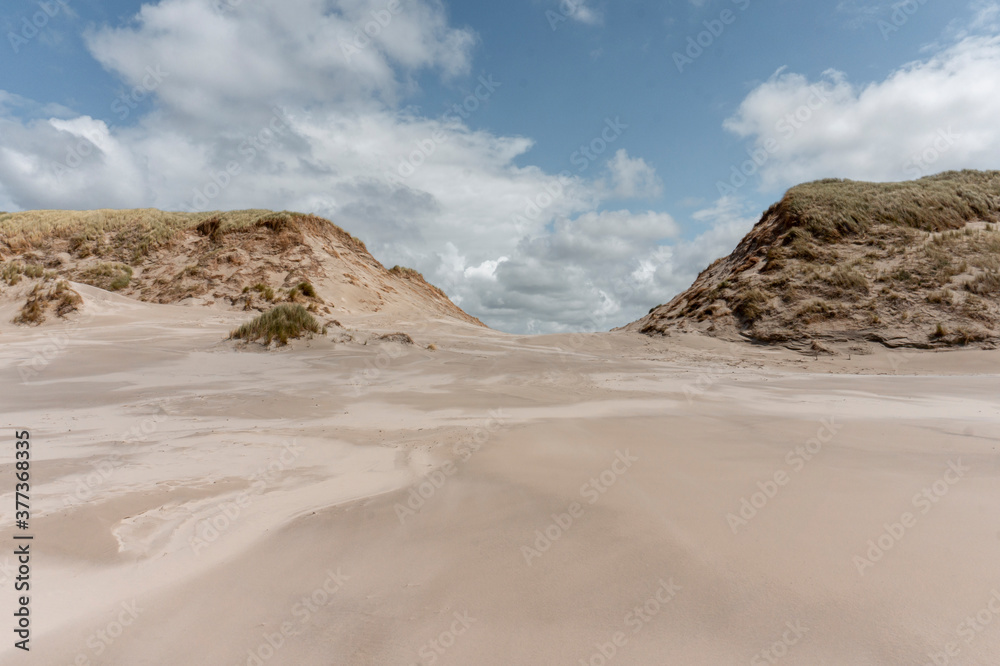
x: 245, y: 260
x: 913, y: 264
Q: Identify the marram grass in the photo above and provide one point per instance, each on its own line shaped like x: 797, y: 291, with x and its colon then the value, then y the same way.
x: 282, y: 323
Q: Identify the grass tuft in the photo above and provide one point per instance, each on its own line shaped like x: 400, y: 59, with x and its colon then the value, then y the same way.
x: 64, y: 299
x: 751, y: 304
x: 282, y: 323
x: 984, y: 284
x: 265, y: 291
x: 401, y: 338
x: 110, y: 276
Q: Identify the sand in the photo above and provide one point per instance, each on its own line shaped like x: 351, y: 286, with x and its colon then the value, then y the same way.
x: 589, y: 499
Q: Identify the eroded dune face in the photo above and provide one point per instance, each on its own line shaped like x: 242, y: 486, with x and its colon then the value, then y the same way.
x: 243, y: 260
x: 607, y: 498
x: 840, y: 264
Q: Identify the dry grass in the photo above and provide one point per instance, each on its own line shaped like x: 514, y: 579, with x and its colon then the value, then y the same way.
x: 401, y: 338
x: 984, y: 284
x: 942, y: 297
x: 282, y: 323
x: 266, y: 292
x: 403, y: 271
x: 134, y: 233
x: 109, y: 276
x: 305, y: 289
x: 847, y: 279
x: 839, y: 258
x: 832, y: 209
x: 751, y: 304
x: 40, y: 299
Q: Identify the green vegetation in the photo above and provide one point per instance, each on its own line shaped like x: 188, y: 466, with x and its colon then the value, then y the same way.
x: 134, y: 233
x: 840, y: 258
x: 40, y: 299
x: 12, y: 271
x: 848, y: 279
x: 265, y: 291
x: 403, y: 271
x: 751, y: 304
x: 282, y: 323
x: 303, y: 288
x: 833, y: 209
x: 109, y: 275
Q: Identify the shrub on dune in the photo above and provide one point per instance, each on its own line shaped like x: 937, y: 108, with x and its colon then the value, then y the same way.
x: 282, y: 323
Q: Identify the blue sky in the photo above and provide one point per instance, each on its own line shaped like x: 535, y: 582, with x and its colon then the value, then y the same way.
x: 485, y: 213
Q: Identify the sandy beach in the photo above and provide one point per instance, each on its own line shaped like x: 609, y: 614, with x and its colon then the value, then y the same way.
x: 579, y: 499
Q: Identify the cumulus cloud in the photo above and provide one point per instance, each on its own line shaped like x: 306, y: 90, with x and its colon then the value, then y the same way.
x: 247, y: 54
x: 577, y: 10
x: 929, y: 116
x: 633, y: 178
x: 299, y: 105
x: 599, y: 270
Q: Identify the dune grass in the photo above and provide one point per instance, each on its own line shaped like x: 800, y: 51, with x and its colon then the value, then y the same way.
x: 137, y: 232
x: 832, y: 209
x: 60, y: 296
x: 282, y: 323
x: 109, y: 276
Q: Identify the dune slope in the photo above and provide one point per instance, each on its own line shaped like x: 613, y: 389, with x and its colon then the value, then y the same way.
x: 914, y: 264
x: 244, y: 260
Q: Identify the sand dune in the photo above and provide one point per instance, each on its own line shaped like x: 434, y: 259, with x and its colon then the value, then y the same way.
x: 590, y: 499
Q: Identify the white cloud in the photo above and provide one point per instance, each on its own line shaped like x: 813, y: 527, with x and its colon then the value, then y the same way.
x: 219, y: 58
x: 587, y: 14
x: 260, y: 106
x: 633, y: 178
x: 929, y: 116
x: 577, y: 10
x: 598, y: 270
